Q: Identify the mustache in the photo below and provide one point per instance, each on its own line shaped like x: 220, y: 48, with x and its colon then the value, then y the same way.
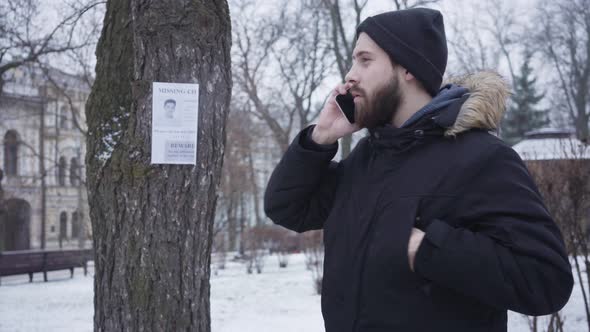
x: 357, y: 91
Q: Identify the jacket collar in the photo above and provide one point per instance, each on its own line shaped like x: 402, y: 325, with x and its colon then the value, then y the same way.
x: 480, y: 107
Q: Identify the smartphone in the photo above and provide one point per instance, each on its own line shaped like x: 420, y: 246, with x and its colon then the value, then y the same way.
x: 346, y: 105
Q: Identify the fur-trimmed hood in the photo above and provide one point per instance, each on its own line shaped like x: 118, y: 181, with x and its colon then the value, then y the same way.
x: 475, y: 101
x: 485, y: 105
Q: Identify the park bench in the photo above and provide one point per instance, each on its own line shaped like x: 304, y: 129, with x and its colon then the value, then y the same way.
x: 34, y: 261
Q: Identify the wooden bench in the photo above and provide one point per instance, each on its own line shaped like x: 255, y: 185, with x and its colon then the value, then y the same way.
x: 34, y: 261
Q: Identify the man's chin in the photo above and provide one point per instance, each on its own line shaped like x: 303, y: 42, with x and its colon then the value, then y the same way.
x: 360, y: 116
x: 357, y: 115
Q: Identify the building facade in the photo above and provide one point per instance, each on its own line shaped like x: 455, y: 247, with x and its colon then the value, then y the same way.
x: 42, y: 127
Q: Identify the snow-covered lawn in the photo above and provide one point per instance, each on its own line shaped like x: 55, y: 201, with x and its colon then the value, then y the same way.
x: 276, y: 300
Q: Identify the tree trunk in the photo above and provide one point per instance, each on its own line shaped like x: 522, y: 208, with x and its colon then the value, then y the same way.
x: 153, y: 224
x: 254, y: 185
x: 241, y: 220
x: 231, y: 221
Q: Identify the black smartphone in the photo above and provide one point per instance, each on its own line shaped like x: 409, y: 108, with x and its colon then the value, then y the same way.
x: 346, y: 105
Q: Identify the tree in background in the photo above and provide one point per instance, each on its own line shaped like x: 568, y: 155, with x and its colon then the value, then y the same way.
x: 280, y: 62
x: 238, y: 184
x: 313, y: 247
x: 24, y: 41
x: 523, y: 114
x: 257, y: 242
x: 564, y: 38
x: 153, y: 224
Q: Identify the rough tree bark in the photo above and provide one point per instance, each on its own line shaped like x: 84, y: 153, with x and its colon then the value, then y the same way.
x: 153, y: 224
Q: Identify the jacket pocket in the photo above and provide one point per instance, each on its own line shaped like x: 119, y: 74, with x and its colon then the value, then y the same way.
x: 388, y: 263
x: 413, y: 219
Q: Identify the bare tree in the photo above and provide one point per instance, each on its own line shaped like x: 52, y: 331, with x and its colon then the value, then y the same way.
x: 24, y: 41
x: 281, y: 242
x: 291, y: 43
x: 406, y: 4
x: 237, y: 183
x: 343, y: 38
x: 303, y: 60
x: 314, y: 257
x: 219, y: 253
x: 252, y: 54
x: 80, y: 61
x: 506, y: 31
x: 469, y: 49
x: 280, y: 62
x: 555, y: 323
x: 152, y: 224
x: 565, y: 40
x: 255, y: 240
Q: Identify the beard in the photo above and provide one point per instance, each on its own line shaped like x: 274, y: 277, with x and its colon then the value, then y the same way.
x: 380, y: 108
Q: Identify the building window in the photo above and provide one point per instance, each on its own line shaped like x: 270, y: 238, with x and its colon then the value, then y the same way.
x: 11, y: 153
x: 75, y: 224
x: 61, y: 171
x: 63, y: 117
x: 63, y: 227
x: 74, y: 172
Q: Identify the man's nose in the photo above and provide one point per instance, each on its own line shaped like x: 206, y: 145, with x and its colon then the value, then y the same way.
x: 351, y: 76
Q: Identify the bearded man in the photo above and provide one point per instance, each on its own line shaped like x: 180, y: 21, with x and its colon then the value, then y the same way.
x: 432, y: 223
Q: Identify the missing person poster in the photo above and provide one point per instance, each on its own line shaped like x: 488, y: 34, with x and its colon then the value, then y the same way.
x: 175, y: 113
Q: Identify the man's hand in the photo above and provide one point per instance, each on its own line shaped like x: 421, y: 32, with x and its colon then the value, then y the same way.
x: 332, y: 124
x: 415, y: 240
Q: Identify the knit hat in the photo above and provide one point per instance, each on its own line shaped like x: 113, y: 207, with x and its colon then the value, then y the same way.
x: 413, y: 38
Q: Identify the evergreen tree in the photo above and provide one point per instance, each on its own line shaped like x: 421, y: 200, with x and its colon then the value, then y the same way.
x: 523, y: 115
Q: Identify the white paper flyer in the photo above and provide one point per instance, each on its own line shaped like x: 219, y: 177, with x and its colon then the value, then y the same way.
x: 175, y: 114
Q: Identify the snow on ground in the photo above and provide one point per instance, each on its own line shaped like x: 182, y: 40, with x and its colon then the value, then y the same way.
x: 276, y: 300
x: 61, y: 304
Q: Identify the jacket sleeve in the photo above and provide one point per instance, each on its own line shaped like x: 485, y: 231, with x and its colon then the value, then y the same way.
x: 508, y: 252
x: 300, y: 192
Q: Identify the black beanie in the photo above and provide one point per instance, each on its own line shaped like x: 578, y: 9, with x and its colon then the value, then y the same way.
x: 413, y: 38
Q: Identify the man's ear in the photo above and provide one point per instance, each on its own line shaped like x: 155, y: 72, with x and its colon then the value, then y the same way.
x: 408, y: 76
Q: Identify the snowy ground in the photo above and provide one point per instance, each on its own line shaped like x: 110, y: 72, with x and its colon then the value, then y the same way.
x: 276, y: 300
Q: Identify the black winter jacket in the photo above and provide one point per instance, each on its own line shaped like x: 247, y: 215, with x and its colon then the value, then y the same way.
x: 490, y: 244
